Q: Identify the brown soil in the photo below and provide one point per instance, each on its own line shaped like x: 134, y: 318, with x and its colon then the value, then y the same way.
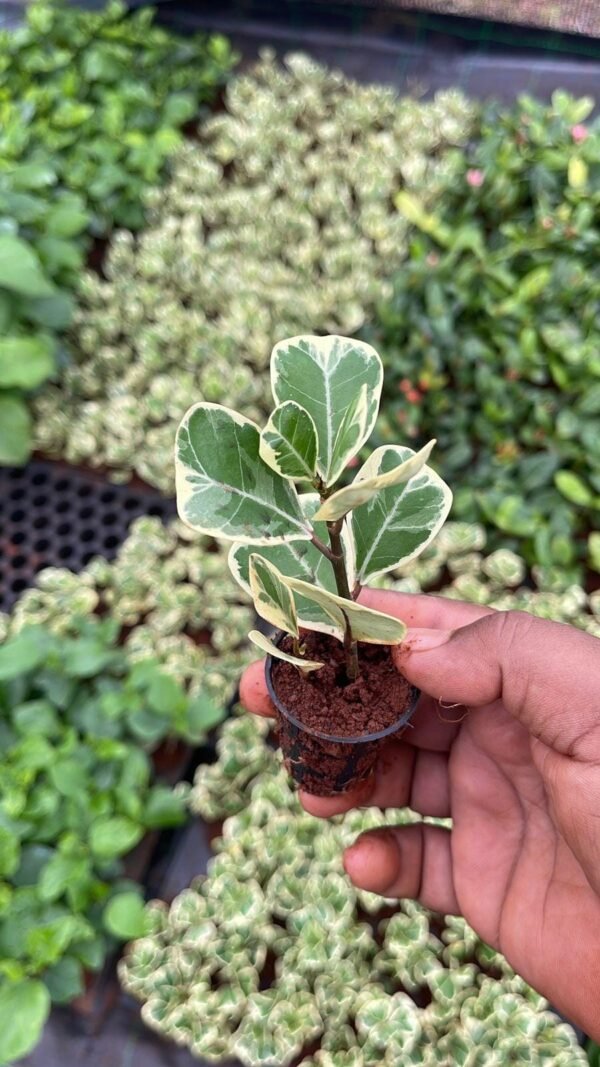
x: 321, y: 701
x: 324, y: 702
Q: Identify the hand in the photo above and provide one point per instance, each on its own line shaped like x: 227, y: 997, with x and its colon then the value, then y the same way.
x: 517, y: 768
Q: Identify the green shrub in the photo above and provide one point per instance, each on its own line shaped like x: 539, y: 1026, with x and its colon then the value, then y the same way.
x: 281, y: 216
x: 172, y: 596
x: 77, y: 793
x: 491, y: 339
x: 91, y: 106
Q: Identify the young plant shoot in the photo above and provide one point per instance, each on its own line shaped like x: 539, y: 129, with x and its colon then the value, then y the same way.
x: 304, y: 554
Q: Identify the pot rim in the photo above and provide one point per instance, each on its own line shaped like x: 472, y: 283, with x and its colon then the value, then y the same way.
x: 345, y: 740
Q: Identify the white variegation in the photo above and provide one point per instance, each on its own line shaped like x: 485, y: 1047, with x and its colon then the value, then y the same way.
x: 225, y: 489
x: 368, y: 625
x: 271, y: 649
x: 398, y: 523
x: 288, y: 443
x: 300, y: 559
x: 338, y: 381
x: 363, y: 488
x: 273, y: 599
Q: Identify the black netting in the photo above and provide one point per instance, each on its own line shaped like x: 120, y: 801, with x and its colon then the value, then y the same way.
x: 54, y: 515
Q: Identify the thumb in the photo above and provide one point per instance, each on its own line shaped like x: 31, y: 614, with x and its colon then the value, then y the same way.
x: 546, y: 674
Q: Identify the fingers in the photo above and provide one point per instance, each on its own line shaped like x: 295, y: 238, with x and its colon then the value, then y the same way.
x: 418, y: 610
x: 253, y: 690
x: 546, y: 674
x: 406, y: 861
x: 404, y: 778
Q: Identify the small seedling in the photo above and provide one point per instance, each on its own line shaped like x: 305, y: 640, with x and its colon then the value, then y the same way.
x: 304, y: 556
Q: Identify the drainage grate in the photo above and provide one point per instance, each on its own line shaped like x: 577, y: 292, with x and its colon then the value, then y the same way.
x: 53, y: 515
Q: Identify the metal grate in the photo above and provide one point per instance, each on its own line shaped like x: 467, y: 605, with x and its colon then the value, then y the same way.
x: 53, y: 515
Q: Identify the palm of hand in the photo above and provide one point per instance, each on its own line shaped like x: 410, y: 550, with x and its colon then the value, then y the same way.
x: 516, y: 877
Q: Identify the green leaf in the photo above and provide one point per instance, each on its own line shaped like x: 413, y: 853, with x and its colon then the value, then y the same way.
x: 62, y: 873
x: 165, y: 696
x: 37, y: 717
x: 54, y: 312
x: 67, y: 220
x: 338, y: 382
x: 272, y: 598
x: 163, y: 808
x: 69, y: 778
x: 15, y: 431
x: 10, y: 852
x: 299, y: 560
x: 64, y: 980
x: 288, y: 442
x: 24, y: 1008
x: 400, y: 521
x: 20, y: 269
x: 25, y: 362
x: 267, y: 646
x: 573, y: 488
x: 202, y: 714
x: 86, y: 656
x: 22, y: 653
x: 374, y: 627
x: 125, y: 916
x: 224, y: 488
x: 577, y: 173
x: 32, y: 176
x: 363, y: 488
x: 113, y: 836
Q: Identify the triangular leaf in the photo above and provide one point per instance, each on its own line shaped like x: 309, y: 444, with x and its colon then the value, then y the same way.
x: 363, y: 488
x: 374, y: 627
x: 400, y: 521
x: 326, y: 376
x: 299, y: 559
x: 273, y: 600
x: 271, y: 649
x: 288, y: 442
x: 224, y: 488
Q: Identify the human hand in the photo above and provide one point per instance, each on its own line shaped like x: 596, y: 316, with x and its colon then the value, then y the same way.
x: 518, y: 770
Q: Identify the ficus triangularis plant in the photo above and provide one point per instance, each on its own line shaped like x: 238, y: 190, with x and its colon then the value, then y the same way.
x: 304, y: 556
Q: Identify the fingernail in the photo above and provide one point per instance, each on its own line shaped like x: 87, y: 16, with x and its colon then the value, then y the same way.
x: 422, y: 640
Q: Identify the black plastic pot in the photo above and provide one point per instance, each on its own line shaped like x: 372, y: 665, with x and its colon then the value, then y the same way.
x: 328, y: 764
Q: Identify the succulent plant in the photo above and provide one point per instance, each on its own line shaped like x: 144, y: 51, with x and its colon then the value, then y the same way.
x: 172, y: 594
x: 281, y: 214
x: 275, y: 952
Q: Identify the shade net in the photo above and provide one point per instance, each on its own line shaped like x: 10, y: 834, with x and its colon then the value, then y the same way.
x: 565, y: 16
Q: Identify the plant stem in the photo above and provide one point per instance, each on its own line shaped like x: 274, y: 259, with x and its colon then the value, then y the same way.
x: 338, y: 563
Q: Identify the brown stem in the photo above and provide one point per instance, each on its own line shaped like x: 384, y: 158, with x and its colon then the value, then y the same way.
x: 323, y: 548
x: 351, y: 651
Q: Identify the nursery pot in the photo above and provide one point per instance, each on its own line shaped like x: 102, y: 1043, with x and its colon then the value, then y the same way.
x: 328, y: 763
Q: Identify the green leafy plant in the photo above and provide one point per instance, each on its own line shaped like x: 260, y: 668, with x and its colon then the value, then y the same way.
x: 77, y: 793
x: 593, y: 1051
x: 504, y: 316
x: 91, y: 106
x: 171, y: 594
x: 305, y: 558
x: 280, y: 214
x: 275, y: 958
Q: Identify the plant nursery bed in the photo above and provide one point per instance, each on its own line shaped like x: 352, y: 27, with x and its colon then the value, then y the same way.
x: 56, y: 515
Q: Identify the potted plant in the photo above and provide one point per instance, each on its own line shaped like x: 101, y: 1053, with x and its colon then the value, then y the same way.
x: 305, y: 557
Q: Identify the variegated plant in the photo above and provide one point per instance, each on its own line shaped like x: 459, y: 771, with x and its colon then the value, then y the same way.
x: 304, y: 557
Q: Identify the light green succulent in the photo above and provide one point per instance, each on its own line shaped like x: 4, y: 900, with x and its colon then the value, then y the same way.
x: 270, y: 954
x: 280, y: 215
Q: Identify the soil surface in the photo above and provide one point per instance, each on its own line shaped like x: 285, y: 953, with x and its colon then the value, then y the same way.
x: 323, y: 701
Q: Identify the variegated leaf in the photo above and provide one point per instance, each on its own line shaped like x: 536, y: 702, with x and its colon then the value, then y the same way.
x: 288, y: 442
x: 271, y: 649
x: 273, y: 600
x: 374, y: 627
x: 398, y: 522
x: 363, y: 488
x: 224, y: 488
x: 338, y: 381
x: 299, y: 559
